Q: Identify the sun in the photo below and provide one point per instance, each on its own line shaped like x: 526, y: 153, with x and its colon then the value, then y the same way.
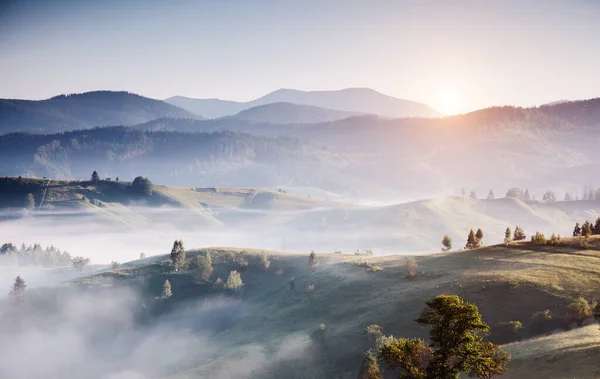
x: 447, y: 101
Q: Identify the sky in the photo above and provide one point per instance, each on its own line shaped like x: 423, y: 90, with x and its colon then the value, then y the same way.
x: 455, y: 55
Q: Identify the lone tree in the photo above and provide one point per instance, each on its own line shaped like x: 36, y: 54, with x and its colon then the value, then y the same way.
x: 313, y: 261
x: 80, y: 262
x: 471, y: 240
x: 456, y: 344
x: 178, y: 255
x: 166, y: 291
x: 411, y: 267
x: 114, y: 265
x: 577, y: 230
x: 204, y: 267
x: 491, y: 195
x: 29, y: 201
x: 586, y: 229
x: 95, y: 176
x: 446, y: 243
x: 234, y: 281
x: 479, y: 237
x: 142, y: 255
x: 142, y: 186
x: 519, y: 234
x: 18, y: 289
x: 507, y: 235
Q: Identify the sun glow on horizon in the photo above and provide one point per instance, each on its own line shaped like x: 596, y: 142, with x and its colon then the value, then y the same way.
x: 447, y: 102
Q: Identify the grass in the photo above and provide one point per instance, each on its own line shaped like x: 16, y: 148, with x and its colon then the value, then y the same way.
x: 506, y: 283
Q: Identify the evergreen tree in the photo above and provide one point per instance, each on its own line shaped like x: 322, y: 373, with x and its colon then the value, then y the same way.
x: 471, y: 240
x: 18, y: 289
x: 577, y: 230
x: 527, y: 196
x: 234, y: 281
x: 178, y: 255
x: 142, y: 255
x: 446, y: 243
x: 166, y: 291
x: 567, y: 196
x: 586, y: 229
x: 491, y: 195
x: 29, y: 201
x: 507, y: 235
x: 596, y: 229
x: 519, y: 234
x: 95, y: 176
x: 313, y: 261
x: 479, y: 237
x: 204, y: 267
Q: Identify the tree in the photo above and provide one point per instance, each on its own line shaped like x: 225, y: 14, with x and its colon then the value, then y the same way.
x: 586, y: 229
x: 591, y: 196
x: 166, y: 291
x: 114, y: 265
x: 204, y: 267
x: 491, y: 195
x: 178, y: 255
x: 596, y: 229
x: 479, y: 237
x: 578, y: 311
x: 541, y: 321
x: 142, y: 186
x: 577, y: 230
x: 515, y: 192
x: 519, y: 234
x: 95, y: 176
x: 456, y: 344
x: 142, y: 255
x: 506, y: 332
x: 549, y: 197
x: 234, y: 281
x: 447, y: 243
x: 471, y: 240
x: 29, y: 201
x: 527, y: 196
x: 473, y: 195
x: 264, y: 261
x: 568, y: 197
x: 80, y: 262
x: 313, y: 261
x: 507, y: 235
x: 18, y: 289
x: 538, y: 239
x: 411, y: 267
x: 372, y: 369
x: 463, y: 191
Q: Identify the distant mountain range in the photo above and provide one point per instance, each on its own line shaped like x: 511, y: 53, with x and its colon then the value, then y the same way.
x: 356, y: 100
x: 83, y: 111
x: 289, y: 113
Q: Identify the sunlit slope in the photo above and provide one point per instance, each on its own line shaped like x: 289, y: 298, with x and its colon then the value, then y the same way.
x: 506, y: 283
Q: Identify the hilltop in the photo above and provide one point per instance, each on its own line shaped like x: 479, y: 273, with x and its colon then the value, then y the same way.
x: 83, y: 111
x: 506, y: 283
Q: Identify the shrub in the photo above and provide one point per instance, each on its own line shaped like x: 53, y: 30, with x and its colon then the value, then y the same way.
x: 309, y: 290
x: 218, y: 284
x: 373, y: 332
x: 515, y: 192
x: 506, y: 332
x: 337, y: 252
x: 373, y: 268
x: 554, y: 239
x: 538, y: 239
x: 578, y: 311
x: 584, y: 243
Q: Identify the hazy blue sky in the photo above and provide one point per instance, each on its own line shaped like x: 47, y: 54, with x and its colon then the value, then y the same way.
x: 453, y: 55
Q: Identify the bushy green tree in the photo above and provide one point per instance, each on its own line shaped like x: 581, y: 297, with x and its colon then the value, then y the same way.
x: 586, y: 229
x: 446, y: 243
x: 234, y: 281
x: 29, y: 201
x: 166, y: 291
x: 142, y: 186
x: 411, y: 356
x: 578, y: 311
x: 491, y: 361
x: 95, y: 176
x: 538, y: 239
x: 178, y: 255
x: 506, y: 332
x: 479, y: 237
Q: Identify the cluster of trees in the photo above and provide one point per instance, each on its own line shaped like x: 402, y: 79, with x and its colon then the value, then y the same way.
x: 518, y: 235
x: 34, y: 255
x: 455, y: 345
x: 474, y: 239
x: 587, y: 229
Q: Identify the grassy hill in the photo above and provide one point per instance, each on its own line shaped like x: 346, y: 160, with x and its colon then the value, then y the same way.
x: 506, y: 283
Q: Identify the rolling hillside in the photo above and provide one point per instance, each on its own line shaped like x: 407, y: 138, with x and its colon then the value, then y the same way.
x: 266, y: 331
x: 289, y: 113
x: 83, y: 111
x: 360, y: 100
